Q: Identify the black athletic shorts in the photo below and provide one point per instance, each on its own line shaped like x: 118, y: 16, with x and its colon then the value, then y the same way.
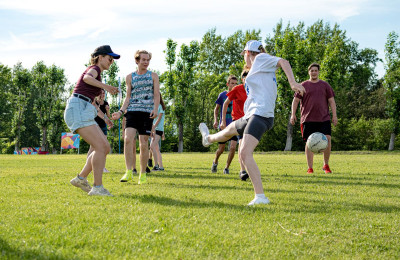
x: 307, y: 128
x: 233, y: 138
x: 141, y: 121
x: 255, y: 125
x: 160, y: 133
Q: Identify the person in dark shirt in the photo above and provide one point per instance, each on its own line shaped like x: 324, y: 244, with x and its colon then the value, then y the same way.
x: 315, y: 115
x: 79, y: 116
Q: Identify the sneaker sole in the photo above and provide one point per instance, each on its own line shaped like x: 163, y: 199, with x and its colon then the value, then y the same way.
x: 244, y: 178
x: 80, y: 187
x: 101, y: 195
x: 202, y: 139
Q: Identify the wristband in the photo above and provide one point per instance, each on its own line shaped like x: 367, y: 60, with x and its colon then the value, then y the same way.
x: 121, y: 112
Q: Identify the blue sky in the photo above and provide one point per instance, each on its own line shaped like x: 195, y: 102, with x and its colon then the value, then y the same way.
x: 65, y: 33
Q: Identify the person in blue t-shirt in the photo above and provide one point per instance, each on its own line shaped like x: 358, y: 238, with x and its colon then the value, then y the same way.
x: 231, y: 82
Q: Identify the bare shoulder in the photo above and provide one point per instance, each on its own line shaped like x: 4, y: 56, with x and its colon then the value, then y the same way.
x: 129, y: 77
x: 154, y: 75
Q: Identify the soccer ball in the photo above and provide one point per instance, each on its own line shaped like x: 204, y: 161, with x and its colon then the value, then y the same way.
x: 317, y: 142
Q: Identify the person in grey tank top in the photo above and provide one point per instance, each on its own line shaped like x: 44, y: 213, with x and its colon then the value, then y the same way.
x: 141, y: 103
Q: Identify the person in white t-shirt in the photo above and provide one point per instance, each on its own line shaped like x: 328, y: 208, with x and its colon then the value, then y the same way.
x: 259, y: 109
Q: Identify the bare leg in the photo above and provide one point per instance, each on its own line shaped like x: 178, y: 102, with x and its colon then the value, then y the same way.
x: 97, y: 159
x: 134, y: 154
x: 242, y: 167
x: 232, y: 150
x: 144, y: 152
x: 90, y: 151
x: 249, y: 143
x: 224, y: 135
x: 130, y: 148
x: 327, y: 151
x: 155, y: 150
x: 310, y: 157
x: 220, y: 150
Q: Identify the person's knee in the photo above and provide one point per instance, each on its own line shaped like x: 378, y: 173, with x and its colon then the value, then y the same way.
x: 108, y: 148
x: 143, y: 142
x: 221, y: 148
x: 232, y: 147
x: 153, y: 147
x: 245, y: 155
x: 103, y: 147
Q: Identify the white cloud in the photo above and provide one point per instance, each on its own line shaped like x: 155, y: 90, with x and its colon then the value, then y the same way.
x: 70, y: 30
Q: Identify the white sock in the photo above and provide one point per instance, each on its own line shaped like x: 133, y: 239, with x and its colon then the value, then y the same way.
x: 260, y: 196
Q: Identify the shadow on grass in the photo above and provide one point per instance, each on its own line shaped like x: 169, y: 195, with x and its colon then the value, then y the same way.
x: 249, y: 188
x: 189, y: 176
x: 328, y: 180
x: 331, y: 206
x: 165, y: 201
x: 208, y: 187
x: 176, y: 174
x: 9, y: 252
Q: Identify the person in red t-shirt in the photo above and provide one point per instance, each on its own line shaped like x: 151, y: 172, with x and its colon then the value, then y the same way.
x: 315, y: 115
x: 238, y: 96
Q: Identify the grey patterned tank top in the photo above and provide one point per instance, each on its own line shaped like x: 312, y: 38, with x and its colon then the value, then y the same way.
x: 142, y: 95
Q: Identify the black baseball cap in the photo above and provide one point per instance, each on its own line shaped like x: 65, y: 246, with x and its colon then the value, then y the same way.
x: 105, y: 49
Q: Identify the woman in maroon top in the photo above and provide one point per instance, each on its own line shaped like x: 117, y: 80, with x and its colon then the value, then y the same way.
x: 80, y: 113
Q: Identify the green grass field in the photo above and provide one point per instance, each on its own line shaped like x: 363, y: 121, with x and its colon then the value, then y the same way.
x: 187, y: 212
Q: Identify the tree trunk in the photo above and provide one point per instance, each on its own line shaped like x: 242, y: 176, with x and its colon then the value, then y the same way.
x: 44, y: 138
x: 180, y: 145
x: 391, y: 143
x: 18, y: 138
x: 289, y: 137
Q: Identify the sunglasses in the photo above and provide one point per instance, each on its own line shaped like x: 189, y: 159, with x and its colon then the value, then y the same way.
x: 110, y: 59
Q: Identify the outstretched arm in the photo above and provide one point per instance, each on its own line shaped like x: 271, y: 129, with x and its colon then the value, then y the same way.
x: 295, y: 104
x: 120, y: 113
x: 90, y: 78
x: 296, y: 87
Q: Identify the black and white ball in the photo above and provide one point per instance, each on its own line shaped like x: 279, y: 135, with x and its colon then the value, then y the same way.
x: 317, y: 142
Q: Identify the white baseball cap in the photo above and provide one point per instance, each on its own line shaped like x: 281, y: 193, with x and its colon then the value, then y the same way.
x: 252, y: 45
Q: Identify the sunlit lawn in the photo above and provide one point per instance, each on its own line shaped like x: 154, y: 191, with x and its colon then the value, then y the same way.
x: 187, y: 212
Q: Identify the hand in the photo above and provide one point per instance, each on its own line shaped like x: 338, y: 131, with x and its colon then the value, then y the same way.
x: 293, y: 119
x: 163, y: 136
x: 334, y: 120
x: 215, y: 125
x: 109, y: 123
x: 153, y: 113
x: 116, y: 116
x: 112, y: 90
x: 298, y: 88
x: 222, y: 125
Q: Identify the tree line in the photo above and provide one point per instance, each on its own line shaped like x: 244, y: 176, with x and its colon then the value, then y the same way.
x: 33, y: 101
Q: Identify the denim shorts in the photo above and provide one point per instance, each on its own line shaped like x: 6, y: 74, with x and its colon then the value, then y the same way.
x: 79, y: 113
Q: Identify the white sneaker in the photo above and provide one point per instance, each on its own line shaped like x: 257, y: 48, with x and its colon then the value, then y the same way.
x: 105, y: 170
x: 258, y: 201
x: 204, y: 132
x: 101, y: 191
x: 83, y: 184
